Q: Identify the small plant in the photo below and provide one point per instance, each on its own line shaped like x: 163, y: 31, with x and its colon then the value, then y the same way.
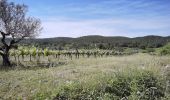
x: 34, y: 52
x: 46, y: 52
x: 22, y: 52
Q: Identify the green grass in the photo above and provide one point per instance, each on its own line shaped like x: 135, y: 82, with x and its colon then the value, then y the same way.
x: 81, y: 78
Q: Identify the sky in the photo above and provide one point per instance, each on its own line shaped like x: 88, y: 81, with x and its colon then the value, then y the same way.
x: 75, y: 18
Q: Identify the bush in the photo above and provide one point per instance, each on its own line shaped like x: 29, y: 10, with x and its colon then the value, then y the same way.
x: 141, y: 85
x: 150, y: 86
x: 119, y: 87
x: 134, y: 85
x: 76, y: 91
x: 165, y: 50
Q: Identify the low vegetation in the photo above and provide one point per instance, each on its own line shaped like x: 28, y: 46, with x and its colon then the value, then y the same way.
x: 138, y: 76
x: 164, y: 50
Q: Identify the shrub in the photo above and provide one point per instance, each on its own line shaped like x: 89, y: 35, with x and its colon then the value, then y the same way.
x: 142, y: 85
x: 165, y: 50
x: 150, y: 86
x: 134, y: 85
x: 119, y: 87
x: 75, y: 91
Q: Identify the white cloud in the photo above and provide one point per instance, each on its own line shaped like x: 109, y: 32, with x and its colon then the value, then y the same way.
x: 106, y: 27
x: 72, y: 29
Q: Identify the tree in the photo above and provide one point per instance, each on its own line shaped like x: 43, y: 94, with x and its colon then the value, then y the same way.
x: 15, y: 26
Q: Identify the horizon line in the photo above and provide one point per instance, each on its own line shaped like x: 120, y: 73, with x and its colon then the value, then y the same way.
x: 101, y: 36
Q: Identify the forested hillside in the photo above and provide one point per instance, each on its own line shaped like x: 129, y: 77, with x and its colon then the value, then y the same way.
x: 101, y: 42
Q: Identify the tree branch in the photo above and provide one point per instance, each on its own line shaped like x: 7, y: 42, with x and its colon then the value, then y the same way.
x: 1, y: 53
x: 1, y: 49
x: 13, y: 41
x: 3, y: 38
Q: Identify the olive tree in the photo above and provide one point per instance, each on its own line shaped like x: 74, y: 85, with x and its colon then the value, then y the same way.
x: 14, y: 27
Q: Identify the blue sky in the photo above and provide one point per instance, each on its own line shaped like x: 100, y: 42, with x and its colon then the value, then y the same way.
x: 74, y: 18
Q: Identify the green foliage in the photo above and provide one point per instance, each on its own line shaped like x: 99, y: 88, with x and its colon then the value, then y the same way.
x: 39, y: 52
x: 46, y: 52
x: 34, y: 52
x: 165, y: 50
x: 75, y: 91
x: 22, y: 51
x: 143, y: 85
x: 120, y: 86
x: 150, y: 86
x: 135, y: 85
x: 13, y: 52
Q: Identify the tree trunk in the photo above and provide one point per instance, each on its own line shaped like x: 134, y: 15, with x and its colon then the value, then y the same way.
x: 6, y: 61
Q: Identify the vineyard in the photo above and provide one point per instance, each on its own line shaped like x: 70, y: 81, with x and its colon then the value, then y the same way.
x: 34, y: 54
x: 79, y: 74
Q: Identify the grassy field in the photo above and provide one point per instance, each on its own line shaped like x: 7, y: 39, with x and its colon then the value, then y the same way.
x: 89, y: 78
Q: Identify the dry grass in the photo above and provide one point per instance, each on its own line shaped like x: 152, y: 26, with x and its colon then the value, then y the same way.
x: 26, y: 84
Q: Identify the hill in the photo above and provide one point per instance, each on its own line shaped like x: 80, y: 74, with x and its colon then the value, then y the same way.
x: 102, y: 42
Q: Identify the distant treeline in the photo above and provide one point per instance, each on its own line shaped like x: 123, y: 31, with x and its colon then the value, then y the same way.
x: 101, y: 42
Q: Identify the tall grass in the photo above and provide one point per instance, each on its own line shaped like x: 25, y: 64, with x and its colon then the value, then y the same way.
x: 134, y: 77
